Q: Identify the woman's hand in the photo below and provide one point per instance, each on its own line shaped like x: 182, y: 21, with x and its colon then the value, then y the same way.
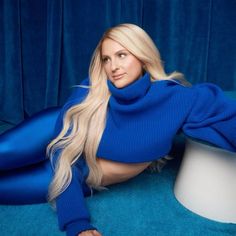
x: 90, y: 233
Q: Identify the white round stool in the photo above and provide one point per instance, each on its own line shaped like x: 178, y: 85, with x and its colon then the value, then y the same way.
x: 206, y: 182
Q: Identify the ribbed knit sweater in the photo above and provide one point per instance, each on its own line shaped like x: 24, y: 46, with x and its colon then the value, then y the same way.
x: 142, y: 120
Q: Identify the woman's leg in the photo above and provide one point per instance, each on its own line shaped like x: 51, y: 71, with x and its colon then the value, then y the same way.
x: 26, y: 185
x: 26, y: 143
x: 25, y: 173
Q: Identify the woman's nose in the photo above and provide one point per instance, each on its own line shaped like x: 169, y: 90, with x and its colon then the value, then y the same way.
x: 114, y: 66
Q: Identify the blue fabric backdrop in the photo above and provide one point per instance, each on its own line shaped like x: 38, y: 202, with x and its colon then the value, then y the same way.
x: 46, y: 45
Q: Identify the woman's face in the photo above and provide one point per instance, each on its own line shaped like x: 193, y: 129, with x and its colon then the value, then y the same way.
x: 121, y: 67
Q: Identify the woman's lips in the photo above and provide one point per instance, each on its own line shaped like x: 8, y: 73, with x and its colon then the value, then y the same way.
x: 116, y: 77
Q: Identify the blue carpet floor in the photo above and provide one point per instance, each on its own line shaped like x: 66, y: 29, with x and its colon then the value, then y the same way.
x: 144, y: 205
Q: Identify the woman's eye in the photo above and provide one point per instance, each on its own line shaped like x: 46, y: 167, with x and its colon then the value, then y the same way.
x: 105, y: 59
x: 122, y: 55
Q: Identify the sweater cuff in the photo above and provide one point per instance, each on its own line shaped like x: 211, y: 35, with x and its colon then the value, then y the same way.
x: 73, y: 229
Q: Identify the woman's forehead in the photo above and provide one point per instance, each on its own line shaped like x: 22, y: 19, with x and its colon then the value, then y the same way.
x: 110, y: 46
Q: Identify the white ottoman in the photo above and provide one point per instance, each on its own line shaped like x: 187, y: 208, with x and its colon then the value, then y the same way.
x: 206, y: 182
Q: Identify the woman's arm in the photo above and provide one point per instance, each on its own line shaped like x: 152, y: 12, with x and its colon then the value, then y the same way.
x: 212, y: 117
x: 73, y: 216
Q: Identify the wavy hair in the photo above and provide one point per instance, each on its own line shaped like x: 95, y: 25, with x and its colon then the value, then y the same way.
x: 85, y: 122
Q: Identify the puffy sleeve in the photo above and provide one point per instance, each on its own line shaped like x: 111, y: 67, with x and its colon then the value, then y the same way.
x: 73, y: 216
x: 212, y: 117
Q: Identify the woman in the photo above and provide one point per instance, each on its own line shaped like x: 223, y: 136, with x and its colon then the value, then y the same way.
x: 114, y: 125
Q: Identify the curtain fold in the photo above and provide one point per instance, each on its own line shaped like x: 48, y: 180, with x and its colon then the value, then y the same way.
x: 11, y: 84
x: 222, y: 46
x: 181, y: 33
x: 33, y: 46
x: 53, y: 51
x: 46, y: 45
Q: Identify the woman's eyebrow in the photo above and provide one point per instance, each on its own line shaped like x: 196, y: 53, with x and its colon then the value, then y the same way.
x: 122, y: 50
x: 117, y: 52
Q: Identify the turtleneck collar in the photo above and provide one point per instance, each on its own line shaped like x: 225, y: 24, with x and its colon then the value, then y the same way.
x: 131, y: 92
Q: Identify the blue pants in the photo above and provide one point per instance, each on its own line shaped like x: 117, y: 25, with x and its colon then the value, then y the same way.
x: 25, y: 172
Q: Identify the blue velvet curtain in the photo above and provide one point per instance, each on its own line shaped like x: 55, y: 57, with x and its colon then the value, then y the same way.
x: 46, y: 45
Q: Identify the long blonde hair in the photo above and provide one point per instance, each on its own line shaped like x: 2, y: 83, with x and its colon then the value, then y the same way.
x: 86, y: 121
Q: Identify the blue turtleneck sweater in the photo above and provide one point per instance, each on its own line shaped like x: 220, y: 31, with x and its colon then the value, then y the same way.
x: 142, y: 120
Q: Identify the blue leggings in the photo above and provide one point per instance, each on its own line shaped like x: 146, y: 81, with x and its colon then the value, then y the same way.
x: 25, y: 172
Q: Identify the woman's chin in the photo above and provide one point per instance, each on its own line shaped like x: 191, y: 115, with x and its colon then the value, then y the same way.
x: 119, y: 83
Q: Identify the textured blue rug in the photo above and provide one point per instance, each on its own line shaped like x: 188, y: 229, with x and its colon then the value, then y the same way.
x: 144, y: 205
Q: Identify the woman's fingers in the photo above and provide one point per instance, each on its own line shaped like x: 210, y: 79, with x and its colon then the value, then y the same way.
x: 96, y: 233
x: 90, y: 233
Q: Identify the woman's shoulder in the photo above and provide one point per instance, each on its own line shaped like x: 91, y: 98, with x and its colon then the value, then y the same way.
x: 185, y: 86
x: 174, y: 86
x: 176, y: 82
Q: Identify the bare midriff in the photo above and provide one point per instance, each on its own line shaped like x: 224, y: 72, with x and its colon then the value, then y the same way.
x: 116, y: 172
